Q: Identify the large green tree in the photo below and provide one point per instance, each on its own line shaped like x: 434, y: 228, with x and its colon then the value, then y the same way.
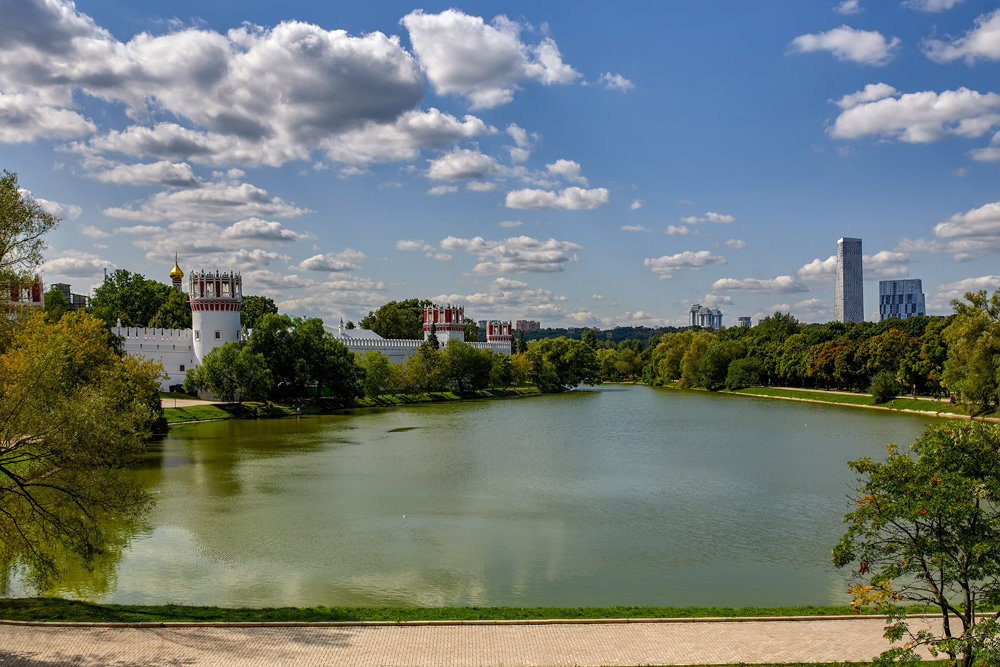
x: 558, y: 364
x: 324, y: 361
x: 130, y: 298
x: 72, y: 414
x: 468, y: 367
x: 23, y: 223
x: 973, y: 365
x: 925, y: 529
x: 255, y: 307
x: 232, y: 373
x: 173, y: 313
x: 398, y: 319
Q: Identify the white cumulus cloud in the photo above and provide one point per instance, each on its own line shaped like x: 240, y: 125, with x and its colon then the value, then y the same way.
x: 919, y: 117
x: 484, y: 62
x: 667, y: 266
x: 981, y: 42
x: 571, y: 198
x: 517, y: 254
x: 867, y: 47
x: 777, y: 285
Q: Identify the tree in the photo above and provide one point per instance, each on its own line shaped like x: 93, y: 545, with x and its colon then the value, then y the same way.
x: 378, y: 373
x: 432, y: 339
x: 55, y: 304
x: 884, y: 387
x: 272, y: 337
x: 519, y: 343
x: 22, y: 225
x: 398, y: 319
x: 973, y: 365
x: 558, y: 364
x: 468, y: 367
x: 714, y: 364
x: 471, y: 330
x: 926, y: 529
x: 745, y: 372
x: 72, y: 414
x: 324, y: 361
x: 130, y: 298
x: 232, y: 372
x: 255, y: 307
x: 174, y: 312
x: 589, y: 337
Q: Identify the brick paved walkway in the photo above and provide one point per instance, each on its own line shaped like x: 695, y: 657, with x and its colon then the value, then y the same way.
x: 656, y: 643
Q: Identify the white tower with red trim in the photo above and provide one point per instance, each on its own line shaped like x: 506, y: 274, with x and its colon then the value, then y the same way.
x: 448, y: 322
x: 499, y: 332
x: 216, y: 299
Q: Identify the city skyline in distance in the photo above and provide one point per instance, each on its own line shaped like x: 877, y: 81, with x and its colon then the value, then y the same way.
x: 564, y: 163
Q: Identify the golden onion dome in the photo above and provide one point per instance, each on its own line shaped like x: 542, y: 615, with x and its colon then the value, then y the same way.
x: 176, y: 273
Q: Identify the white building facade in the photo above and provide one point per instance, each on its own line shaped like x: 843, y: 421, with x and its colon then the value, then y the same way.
x: 900, y: 298
x: 849, y: 297
x: 447, y: 322
x: 701, y: 316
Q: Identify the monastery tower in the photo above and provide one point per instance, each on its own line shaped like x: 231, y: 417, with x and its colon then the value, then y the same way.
x: 216, y: 299
x: 448, y: 322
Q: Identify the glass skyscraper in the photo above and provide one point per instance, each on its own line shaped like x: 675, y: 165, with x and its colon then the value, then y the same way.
x: 849, y: 300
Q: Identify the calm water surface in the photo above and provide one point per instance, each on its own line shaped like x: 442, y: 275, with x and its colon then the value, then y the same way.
x: 626, y: 495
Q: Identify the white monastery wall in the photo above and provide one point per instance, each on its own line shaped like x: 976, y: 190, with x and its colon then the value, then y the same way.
x: 171, y: 347
x: 399, y: 350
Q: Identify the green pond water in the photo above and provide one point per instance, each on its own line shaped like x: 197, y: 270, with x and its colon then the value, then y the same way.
x: 622, y: 495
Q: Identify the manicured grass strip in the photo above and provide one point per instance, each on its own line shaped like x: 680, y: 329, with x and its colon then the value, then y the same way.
x: 432, y: 397
x: 854, y: 399
x: 251, y: 409
x: 57, y: 609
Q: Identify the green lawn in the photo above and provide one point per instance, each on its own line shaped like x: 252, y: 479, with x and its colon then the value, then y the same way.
x: 902, y: 403
x: 57, y: 609
x: 253, y: 409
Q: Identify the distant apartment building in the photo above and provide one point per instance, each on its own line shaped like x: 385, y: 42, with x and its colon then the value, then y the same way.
x: 744, y: 322
x: 75, y: 301
x: 900, y: 298
x: 849, y: 301
x: 527, y: 325
x: 708, y: 318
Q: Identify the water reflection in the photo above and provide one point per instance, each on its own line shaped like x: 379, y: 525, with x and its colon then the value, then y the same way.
x: 628, y: 496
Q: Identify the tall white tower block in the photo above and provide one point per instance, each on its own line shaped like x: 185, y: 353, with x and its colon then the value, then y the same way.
x: 216, y: 299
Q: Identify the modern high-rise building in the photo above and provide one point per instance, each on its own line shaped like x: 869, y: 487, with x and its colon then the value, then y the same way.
x: 849, y: 299
x: 709, y: 318
x: 527, y: 325
x: 744, y: 322
x: 900, y: 298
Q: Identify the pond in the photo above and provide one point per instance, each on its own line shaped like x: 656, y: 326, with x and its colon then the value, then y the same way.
x: 621, y: 495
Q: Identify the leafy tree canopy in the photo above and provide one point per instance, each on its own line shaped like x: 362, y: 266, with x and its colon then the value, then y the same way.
x: 398, y: 319
x: 72, y: 413
x: 131, y: 298
x: 925, y: 529
x: 253, y: 308
x: 22, y: 225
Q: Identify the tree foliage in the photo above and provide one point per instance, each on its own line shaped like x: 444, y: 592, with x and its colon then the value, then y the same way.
x: 130, y: 298
x: 558, y: 364
x: 232, y: 373
x: 55, y: 304
x: 72, y: 414
x: 925, y: 529
x: 398, y: 319
x: 22, y: 225
x: 255, y: 307
x: 973, y: 337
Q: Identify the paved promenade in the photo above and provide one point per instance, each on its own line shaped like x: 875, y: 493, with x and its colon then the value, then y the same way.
x: 600, y: 643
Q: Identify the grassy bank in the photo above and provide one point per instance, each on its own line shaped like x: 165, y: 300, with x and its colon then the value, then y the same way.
x: 255, y: 410
x: 927, y: 405
x: 57, y: 609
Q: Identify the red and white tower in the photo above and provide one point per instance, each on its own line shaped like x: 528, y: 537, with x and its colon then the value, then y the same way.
x: 216, y: 299
x: 448, y: 322
x: 498, y: 332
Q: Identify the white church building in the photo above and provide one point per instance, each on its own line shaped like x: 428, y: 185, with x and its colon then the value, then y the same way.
x: 216, y: 299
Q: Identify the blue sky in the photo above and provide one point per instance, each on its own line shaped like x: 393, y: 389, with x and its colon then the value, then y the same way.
x: 577, y: 163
